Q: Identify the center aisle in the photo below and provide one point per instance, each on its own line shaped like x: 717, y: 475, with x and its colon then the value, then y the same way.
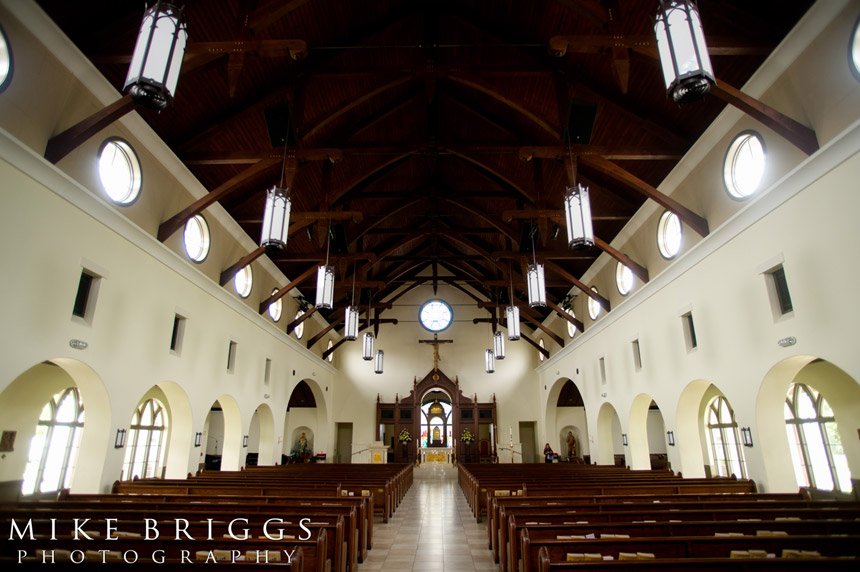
x: 432, y: 529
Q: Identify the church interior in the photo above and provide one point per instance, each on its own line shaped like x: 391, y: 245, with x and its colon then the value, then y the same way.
x: 418, y: 266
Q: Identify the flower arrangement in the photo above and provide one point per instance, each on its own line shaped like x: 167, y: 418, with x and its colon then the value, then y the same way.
x: 404, y: 436
x: 467, y: 436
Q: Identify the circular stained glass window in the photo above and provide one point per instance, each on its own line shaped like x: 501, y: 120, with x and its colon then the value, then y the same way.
x: 593, y: 305
x: 276, y: 307
x: 435, y: 315
x: 744, y: 165
x: 669, y: 235
x: 5, y: 61
x: 300, y: 329
x: 119, y: 171
x: 623, y: 279
x: 243, y: 281
x: 196, y: 238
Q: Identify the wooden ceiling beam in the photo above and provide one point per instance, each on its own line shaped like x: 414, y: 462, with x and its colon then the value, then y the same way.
x: 264, y: 305
x: 690, y: 218
x: 271, y: 11
x: 553, y: 267
x: 482, y: 86
x: 67, y: 141
x: 556, y: 215
x: 177, y: 221
x: 566, y: 315
x: 492, y: 173
x: 616, y: 154
x: 478, y: 212
x: 370, y: 176
x: 527, y: 316
x: 282, y: 256
x: 637, y: 269
x: 344, y: 109
x: 560, y: 46
x: 300, y: 320
x: 565, y: 254
x: 254, y: 156
x: 389, y: 212
x: 231, y: 270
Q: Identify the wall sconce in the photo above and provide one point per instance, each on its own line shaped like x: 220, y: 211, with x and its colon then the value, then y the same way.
x: 670, y: 438
x: 245, y: 441
x: 198, y: 439
x: 119, y: 442
x: 624, y: 439
x: 746, y: 436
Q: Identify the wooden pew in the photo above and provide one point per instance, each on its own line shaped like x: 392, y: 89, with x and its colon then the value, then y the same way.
x: 686, y: 547
x: 697, y: 564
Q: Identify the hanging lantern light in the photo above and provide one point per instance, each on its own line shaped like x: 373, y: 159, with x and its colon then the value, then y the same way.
x: 489, y: 361
x: 577, y: 214
x: 683, y: 53
x: 276, y: 218
x: 499, y: 345
x: 325, y: 287
x: 367, y: 347
x: 513, y: 315
x: 536, y: 284
x: 157, y: 57
x: 350, y: 329
x: 377, y: 363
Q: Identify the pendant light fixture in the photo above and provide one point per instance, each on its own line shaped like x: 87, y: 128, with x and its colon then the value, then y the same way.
x: 535, y: 279
x: 489, y: 361
x: 276, y: 216
x: 683, y: 53
x: 367, y: 346
x: 325, y: 279
x: 377, y: 362
x: 512, y: 312
x: 577, y: 214
x: 157, y: 57
x: 350, y: 320
x: 499, y: 345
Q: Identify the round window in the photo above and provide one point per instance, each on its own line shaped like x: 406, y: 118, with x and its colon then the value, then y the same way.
x: 196, y: 238
x: 854, y: 50
x: 541, y: 357
x: 623, y: 279
x: 744, y: 165
x: 593, y: 305
x: 435, y: 315
x: 243, y: 281
x: 571, y: 329
x: 669, y: 235
x: 276, y: 307
x: 300, y: 329
x: 331, y: 354
x: 5, y: 60
x: 119, y: 171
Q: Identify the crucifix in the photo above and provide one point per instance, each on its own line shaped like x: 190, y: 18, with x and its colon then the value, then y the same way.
x: 435, y: 343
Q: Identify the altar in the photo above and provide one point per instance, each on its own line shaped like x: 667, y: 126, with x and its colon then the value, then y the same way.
x: 437, y: 454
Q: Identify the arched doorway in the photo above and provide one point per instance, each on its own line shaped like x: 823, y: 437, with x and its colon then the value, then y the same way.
x: 306, y: 413
x: 436, y: 422
x: 791, y: 458
x: 610, y: 440
x: 261, y: 435
x: 23, y: 402
x: 566, y: 421
x: 646, y: 434
x: 223, y: 436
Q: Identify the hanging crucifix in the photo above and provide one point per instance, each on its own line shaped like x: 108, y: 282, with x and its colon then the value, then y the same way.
x: 435, y: 343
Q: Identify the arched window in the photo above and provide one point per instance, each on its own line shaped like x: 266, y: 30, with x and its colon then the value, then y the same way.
x: 726, y: 453
x: 144, y: 453
x: 54, y: 447
x: 816, y: 449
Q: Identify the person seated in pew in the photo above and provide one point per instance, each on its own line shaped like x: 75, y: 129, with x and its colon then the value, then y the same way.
x: 548, y: 455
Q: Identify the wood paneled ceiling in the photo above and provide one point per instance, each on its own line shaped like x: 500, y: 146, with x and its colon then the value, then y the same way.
x: 433, y: 138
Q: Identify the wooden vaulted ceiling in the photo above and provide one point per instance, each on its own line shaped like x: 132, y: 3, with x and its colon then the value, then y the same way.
x: 434, y: 138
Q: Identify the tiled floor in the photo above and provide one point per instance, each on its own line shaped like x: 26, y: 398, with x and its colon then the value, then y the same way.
x: 432, y: 529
